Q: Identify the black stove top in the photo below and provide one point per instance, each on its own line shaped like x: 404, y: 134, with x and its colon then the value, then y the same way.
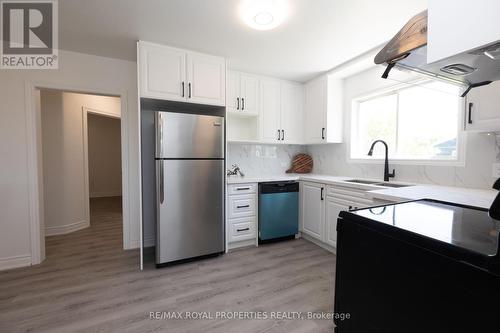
x: 466, y: 227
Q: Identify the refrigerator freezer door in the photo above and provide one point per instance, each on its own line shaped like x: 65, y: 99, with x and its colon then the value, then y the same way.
x: 181, y: 135
x: 190, y: 209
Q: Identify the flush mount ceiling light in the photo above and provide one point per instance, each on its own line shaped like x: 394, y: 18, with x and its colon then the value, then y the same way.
x: 263, y: 14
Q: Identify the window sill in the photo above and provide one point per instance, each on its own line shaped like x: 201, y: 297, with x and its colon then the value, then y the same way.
x: 415, y: 162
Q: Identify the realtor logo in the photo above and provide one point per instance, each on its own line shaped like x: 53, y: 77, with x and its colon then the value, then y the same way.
x: 29, y: 34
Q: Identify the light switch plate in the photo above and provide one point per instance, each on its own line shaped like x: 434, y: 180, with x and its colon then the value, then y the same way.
x: 496, y: 170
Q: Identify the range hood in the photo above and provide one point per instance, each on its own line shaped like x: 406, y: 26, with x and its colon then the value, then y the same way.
x: 408, y: 50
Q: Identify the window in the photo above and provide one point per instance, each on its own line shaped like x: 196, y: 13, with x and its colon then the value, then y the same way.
x: 417, y: 122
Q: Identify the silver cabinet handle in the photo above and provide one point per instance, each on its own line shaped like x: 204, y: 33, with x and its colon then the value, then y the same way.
x: 244, y: 206
x: 162, y: 189
x: 242, y: 188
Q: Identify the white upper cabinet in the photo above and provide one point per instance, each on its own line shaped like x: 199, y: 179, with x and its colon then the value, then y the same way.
x: 249, y: 93
x: 323, y: 110
x: 456, y: 26
x: 162, y: 72
x: 315, y: 111
x: 483, y: 108
x: 232, y: 91
x: 242, y: 93
x: 270, y: 110
x: 292, y: 112
x: 281, y: 111
x: 206, y: 79
x: 275, y: 107
x: 179, y: 75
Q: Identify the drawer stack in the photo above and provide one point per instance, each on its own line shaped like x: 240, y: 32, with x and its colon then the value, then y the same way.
x: 241, y: 215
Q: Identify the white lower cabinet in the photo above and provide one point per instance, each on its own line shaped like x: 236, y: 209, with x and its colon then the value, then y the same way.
x: 320, y: 206
x: 312, y: 209
x: 333, y: 209
x: 241, y: 229
x: 241, y: 213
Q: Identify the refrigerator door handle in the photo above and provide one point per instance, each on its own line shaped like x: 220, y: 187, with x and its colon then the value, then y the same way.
x: 160, y: 134
x: 162, y: 188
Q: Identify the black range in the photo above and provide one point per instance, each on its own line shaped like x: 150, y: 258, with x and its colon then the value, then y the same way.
x: 420, y: 266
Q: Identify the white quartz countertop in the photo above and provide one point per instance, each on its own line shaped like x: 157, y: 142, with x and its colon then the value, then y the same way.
x: 459, y: 195
x: 261, y: 179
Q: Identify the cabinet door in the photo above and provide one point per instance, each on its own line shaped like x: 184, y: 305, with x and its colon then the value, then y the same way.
x: 483, y: 108
x: 292, y: 111
x: 456, y: 26
x: 232, y: 91
x: 162, y: 72
x: 249, y: 93
x: 206, y: 79
x: 270, y: 110
x: 316, y: 99
x: 333, y: 209
x: 312, y: 209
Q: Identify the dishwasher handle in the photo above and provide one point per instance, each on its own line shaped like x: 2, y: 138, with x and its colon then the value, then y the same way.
x: 278, y: 187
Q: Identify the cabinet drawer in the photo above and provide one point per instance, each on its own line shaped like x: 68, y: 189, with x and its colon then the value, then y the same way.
x: 241, y: 188
x: 241, y: 229
x: 241, y: 206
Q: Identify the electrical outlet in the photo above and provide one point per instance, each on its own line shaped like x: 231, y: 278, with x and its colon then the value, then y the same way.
x: 496, y: 170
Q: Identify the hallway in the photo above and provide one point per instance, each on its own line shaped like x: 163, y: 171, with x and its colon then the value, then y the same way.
x: 103, y: 237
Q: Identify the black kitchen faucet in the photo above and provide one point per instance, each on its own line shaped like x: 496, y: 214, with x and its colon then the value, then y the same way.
x: 387, y: 175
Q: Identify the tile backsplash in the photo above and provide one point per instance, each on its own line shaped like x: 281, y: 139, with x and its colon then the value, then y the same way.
x: 256, y: 160
x: 481, y: 153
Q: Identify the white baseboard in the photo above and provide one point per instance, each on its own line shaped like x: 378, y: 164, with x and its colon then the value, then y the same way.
x: 319, y: 243
x: 106, y: 194
x: 66, y: 229
x: 15, y: 262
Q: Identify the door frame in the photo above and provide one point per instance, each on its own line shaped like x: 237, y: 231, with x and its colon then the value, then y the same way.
x: 35, y: 165
x: 86, y: 174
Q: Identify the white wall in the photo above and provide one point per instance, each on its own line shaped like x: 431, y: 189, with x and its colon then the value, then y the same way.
x: 104, y: 151
x: 64, y: 172
x: 331, y: 159
x: 78, y: 72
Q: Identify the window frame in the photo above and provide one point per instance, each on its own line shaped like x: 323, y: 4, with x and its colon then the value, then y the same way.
x: 459, y: 160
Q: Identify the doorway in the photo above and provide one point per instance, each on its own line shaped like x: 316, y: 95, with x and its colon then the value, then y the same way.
x: 81, y: 171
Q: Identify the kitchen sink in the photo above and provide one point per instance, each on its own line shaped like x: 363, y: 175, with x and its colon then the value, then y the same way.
x: 392, y: 185
x: 362, y: 181
x: 377, y: 183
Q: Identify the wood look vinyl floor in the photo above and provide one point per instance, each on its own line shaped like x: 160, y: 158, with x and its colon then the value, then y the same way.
x: 89, y: 284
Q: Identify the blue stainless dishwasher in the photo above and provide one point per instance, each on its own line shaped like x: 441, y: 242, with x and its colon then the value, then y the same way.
x: 278, y: 210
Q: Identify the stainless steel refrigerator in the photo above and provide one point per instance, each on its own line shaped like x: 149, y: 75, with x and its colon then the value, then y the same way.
x: 190, y: 186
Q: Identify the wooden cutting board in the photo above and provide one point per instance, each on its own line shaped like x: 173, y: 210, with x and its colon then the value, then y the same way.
x: 301, y: 163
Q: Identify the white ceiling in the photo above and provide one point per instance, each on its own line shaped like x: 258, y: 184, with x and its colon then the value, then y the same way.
x: 317, y: 36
